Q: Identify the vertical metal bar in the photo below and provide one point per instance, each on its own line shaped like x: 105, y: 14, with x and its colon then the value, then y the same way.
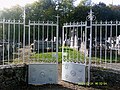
x: 19, y: 42
x: 96, y: 43
x: 47, y: 37
x: 116, y: 39
x: 111, y: 44
x: 29, y: 42
x: 73, y: 43
x: 43, y: 42
x: 57, y: 40
x: 81, y: 41
x: 70, y: 34
x: 34, y: 41
x: 8, y: 41
x: 90, y: 46
x: 100, y: 43
x: 38, y: 42
x: 63, y: 43
x: 14, y: 41
x: 24, y: 36
x: 66, y: 30
x: 3, y: 40
x: 85, y: 43
x: 77, y: 43
x: 106, y: 44
x: 52, y: 41
x: 57, y: 43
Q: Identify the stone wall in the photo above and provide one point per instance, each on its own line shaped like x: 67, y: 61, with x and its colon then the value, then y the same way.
x: 15, y: 77
x: 12, y: 77
x: 105, y: 77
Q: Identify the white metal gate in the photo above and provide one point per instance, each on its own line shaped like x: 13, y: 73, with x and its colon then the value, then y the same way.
x: 43, y: 58
x: 87, y: 44
x: 74, y: 62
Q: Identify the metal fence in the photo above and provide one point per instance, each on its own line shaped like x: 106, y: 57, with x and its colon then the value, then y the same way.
x: 43, y: 39
x: 10, y: 41
x: 106, y: 42
x: 90, y: 44
x: 85, y: 44
x: 35, y: 42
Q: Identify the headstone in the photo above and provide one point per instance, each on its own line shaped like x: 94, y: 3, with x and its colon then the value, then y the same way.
x: 71, y: 39
x: 75, y: 40
x: 83, y: 37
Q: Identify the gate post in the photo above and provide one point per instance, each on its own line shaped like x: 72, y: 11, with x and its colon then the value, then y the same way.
x: 24, y: 36
x: 90, y: 18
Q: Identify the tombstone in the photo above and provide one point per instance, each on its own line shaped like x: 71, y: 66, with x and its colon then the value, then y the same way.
x: 117, y: 42
x: 55, y: 39
x: 83, y: 48
x: 72, y: 39
x: 75, y: 40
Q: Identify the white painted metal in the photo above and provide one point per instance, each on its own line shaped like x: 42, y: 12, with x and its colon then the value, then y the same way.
x: 42, y: 74
x: 101, y: 41
x: 73, y: 72
x: 73, y: 65
x: 3, y: 40
x: 8, y: 42
x: 106, y: 44
x: 9, y: 45
x: 24, y: 17
x: 90, y: 45
x: 43, y: 66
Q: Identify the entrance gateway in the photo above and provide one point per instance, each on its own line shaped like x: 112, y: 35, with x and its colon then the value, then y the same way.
x: 43, y: 63
x: 85, y: 44
x: 74, y: 62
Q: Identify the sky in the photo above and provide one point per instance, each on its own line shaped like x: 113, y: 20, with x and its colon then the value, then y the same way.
x: 115, y: 2
x: 9, y: 3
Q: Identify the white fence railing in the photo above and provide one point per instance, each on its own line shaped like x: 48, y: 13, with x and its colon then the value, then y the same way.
x: 105, y: 42
x: 36, y: 42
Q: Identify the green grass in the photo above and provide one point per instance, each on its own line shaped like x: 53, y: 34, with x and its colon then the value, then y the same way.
x: 46, y: 57
x: 69, y: 55
x: 72, y: 55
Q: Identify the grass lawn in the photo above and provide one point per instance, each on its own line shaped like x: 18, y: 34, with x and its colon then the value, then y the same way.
x: 69, y: 55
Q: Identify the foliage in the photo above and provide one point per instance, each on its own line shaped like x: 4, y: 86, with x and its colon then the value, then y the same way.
x: 14, y: 12
x: 47, y: 10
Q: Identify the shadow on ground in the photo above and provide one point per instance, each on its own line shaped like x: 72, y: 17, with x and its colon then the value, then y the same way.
x: 48, y: 87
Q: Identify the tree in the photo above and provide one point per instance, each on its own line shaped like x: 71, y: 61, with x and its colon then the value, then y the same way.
x: 85, y: 2
x: 12, y: 13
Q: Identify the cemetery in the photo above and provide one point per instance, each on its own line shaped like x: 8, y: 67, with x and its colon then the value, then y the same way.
x: 54, y: 45
x: 46, y: 45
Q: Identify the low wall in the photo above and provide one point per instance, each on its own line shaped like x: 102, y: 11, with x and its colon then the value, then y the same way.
x: 15, y: 77
x: 105, y: 77
x: 12, y: 77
